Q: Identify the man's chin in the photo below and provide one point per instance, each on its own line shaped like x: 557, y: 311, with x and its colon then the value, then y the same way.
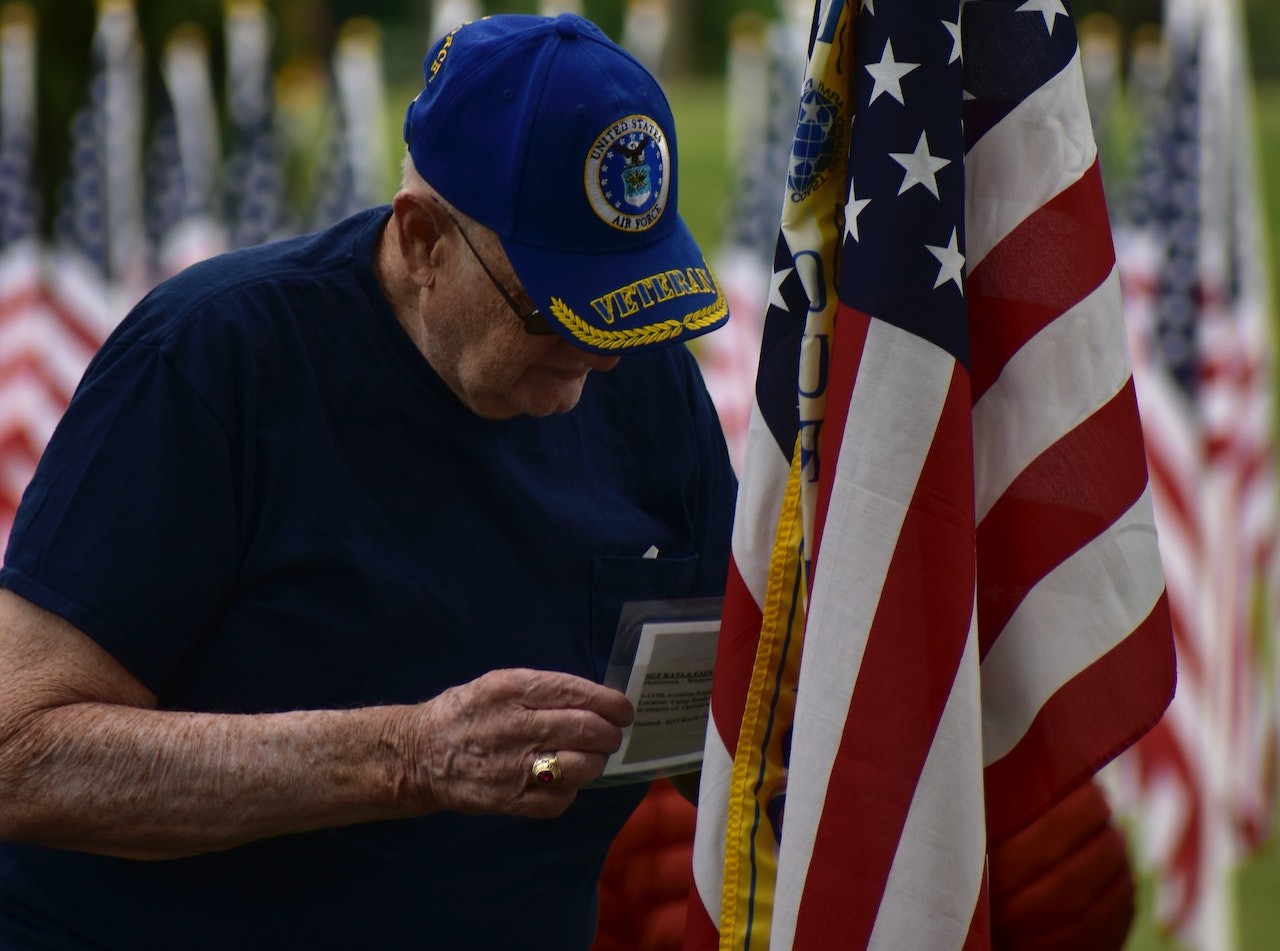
x: 548, y: 400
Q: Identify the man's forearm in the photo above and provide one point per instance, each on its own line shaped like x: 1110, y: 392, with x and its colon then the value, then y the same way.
x: 155, y: 784
x: 87, y: 762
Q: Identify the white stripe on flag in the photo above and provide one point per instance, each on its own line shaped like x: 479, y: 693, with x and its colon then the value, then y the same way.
x: 709, y: 837
x: 1068, y: 621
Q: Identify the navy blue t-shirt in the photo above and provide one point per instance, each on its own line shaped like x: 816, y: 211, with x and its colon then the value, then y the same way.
x: 263, y: 498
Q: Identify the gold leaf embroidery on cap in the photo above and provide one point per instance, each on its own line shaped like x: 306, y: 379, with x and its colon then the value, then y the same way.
x: 639, y: 336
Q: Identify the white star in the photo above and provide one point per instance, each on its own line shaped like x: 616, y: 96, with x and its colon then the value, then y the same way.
x: 869, y: 6
x: 796, y: 165
x: 952, y: 262
x: 954, y: 30
x: 888, y: 74
x: 1049, y: 9
x: 920, y: 166
x: 853, y: 207
x: 775, y: 289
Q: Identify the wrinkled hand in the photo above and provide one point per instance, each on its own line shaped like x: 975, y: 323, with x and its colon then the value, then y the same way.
x: 475, y: 744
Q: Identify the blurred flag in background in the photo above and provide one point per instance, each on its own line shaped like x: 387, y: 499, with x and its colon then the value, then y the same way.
x: 254, y: 183
x: 184, y: 159
x: 1202, y: 785
x: 29, y: 407
x: 146, y: 195
x: 97, y: 266
x: 765, y: 70
x: 355, y: 175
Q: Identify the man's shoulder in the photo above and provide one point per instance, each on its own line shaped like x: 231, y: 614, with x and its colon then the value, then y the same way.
x: 247, y: 284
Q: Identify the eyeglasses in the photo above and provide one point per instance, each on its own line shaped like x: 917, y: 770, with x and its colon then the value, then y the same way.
x: 534, y: 321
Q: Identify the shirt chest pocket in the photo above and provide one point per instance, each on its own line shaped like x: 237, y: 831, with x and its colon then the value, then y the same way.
x: 615, y: 581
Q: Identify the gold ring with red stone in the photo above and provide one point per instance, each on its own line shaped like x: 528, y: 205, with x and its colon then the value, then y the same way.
x: 546, y: 770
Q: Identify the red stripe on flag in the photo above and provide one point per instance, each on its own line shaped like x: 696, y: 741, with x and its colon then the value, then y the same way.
x: 1172, y: 499
x: 1072, y: 493
x: 979, y: 936
x: 1190, y: 663
x: 16, y: 301
x: 76, y: 324
x: 1175, y: 498
x: 1096, y: 710
x: 1049, y: 263
x: 700, y: 931
x: 1252, y: 463
x: 849, y: 339
x: 735, y: 657
x: 1161, y: 756
x: 916, y: 641
x: 16, y: 442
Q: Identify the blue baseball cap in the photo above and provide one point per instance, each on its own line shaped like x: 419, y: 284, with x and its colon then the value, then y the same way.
x: 551, y: 135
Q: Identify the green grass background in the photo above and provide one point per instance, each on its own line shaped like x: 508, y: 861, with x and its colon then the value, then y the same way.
x: 699, y: 107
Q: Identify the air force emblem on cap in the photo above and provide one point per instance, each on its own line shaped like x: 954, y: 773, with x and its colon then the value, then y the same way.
x: 626, y: 174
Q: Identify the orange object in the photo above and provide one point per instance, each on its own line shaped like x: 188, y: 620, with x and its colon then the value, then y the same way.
x: 1064, y: 882
x: 644, y: 887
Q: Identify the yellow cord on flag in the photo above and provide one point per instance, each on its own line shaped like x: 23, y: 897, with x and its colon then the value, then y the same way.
x: 759, y: 768
x: 812, y: 224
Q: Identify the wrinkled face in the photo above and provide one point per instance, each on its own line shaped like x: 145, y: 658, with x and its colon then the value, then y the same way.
x: 479, y: 346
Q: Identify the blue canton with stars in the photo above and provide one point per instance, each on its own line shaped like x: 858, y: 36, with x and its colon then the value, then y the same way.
x: 920, y: 99
x: 1166, y: 200
x: 902, y: 258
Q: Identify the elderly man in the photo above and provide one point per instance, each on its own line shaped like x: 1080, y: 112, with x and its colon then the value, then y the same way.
x: 314, y: 589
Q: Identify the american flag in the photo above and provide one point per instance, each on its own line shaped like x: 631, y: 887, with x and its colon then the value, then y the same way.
x: 646, y: 32
x: 184, y: 159
x: 99, y: 264
x: 945, y: 607
x: 765, y: 69
x: 27, y: 409
x: 60, y: 303
x: 1197, y: 307
x: 446, y: 14
x: 354, y: 174
x: 254, y: 194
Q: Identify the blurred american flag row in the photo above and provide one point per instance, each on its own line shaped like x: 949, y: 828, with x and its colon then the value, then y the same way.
x: 1193, y: 253
x: 147, y: 195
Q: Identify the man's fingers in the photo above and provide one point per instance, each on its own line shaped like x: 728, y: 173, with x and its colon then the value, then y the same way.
x: 577, y: 730
x: 552, y: 690
x: 481, y: 741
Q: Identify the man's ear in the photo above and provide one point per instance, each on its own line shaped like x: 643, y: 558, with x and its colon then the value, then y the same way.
x: 419, y: 223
